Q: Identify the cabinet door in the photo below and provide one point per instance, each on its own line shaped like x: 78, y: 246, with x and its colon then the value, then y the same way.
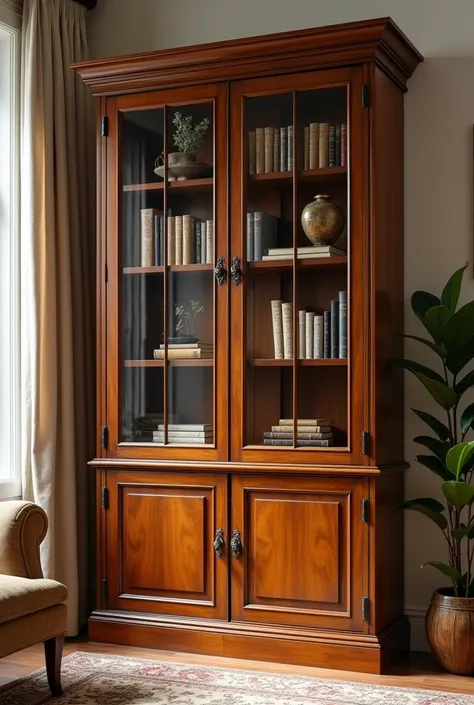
x: 299, y: 233
x: 166, y: 324
x: 160, y: 543
x: 303, y: 551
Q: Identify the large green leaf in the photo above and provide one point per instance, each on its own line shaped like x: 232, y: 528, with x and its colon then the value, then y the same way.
x: 446, y: 569
x: 464, y: 384
x: 459, y: 358
x: 435, y: 424
x: 438, y: 349
x: 460, y: 328
x: 467, y: 418
x: 439, y: 448
x: 458, y: 493
x: 458, y: 456
x: 430, y: 508
x: 441, y: 393
x: 435, y: 321
x: 416, y: 367
x: 435, y: 465
x: 450, y: 294
x: 422, y: 301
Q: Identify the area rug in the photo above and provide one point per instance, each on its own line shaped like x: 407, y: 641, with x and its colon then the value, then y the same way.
x: 93, y: 679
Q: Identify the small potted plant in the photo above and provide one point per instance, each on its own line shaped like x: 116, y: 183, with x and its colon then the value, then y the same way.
x: 186, y: 322
x: 450, y: 616
x: 189, y: 138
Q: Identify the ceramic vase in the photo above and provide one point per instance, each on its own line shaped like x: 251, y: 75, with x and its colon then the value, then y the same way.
x: 322, y: 221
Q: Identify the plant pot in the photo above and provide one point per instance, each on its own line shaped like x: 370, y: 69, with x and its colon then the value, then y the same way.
x: 182, y: 166
x: 322, y: 221
x: 450, y: 631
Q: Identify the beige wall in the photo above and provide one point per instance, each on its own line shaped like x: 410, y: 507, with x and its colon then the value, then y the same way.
x: 439, y: 113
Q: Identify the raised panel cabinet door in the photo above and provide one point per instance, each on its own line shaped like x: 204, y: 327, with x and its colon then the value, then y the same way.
x: 300, y: 551
x: 167, y: 543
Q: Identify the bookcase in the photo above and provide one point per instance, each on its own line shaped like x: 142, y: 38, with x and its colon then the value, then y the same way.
x: 250, y: 425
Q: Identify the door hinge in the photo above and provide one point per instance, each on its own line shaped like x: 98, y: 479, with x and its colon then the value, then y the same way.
x: 105, y: 497
x: 365, y: 509
x: 365, y: 609
x: 104, y: 126
x: 104, y: 590
x: 365, y: 95
x: 365, y: 443
x: 104, y: 437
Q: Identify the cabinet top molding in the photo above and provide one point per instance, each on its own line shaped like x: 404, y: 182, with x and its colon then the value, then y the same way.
x: 377, y: 40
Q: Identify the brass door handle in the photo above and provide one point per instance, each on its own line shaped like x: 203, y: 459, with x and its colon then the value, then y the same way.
x: 219, y: 543
x: 236, y: 544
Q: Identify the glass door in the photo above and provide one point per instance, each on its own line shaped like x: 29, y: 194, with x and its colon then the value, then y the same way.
x: 298, y: 228
x: 167, y: 332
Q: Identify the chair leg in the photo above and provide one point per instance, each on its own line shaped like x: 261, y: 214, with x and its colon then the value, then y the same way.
x: 53, y: 652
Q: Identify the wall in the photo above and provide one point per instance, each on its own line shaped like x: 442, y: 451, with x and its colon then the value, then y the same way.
x: 439, y: 112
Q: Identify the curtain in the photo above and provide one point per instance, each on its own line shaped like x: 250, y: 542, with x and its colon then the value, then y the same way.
x: 57, y: 284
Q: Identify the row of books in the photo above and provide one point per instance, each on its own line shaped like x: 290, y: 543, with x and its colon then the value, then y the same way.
x: 185, y: 433
x: 189, y: 239
x: 319, y: 336
x: 262, y: 233
x: 286, y: 253
x: 325, y: 145
x: 309, y: 432
x: 185, y: 351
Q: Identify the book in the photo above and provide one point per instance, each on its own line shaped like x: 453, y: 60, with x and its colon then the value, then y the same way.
x: 317, y: 255
x: 252, y: 152
x: 334, y: 328
x: 264, y: 233
x: 283, y: 149
x: 171, y: 239
x: 209, y: 241
x: 259, y: 150
x: 203, y: 242
x: 307, y: 250
x: 147, y: 218
x: 304, y: 422
x: 178, y: 225
x: 343, y: 324
x: 301, y: 429
x: 290, y: 148
x: 250, y: 237
x: 306, y: 148
x: 332, y: 146
x: 188, y: 243
x: 299, y: 436
x: 323, y: 145
x: 318, y: 337
x: 157, y: 245
x: 187, y: 427
x: 276, y: 149
x: 301, y: 335
x: 184, y: 354
x: 268, y: 142
x: 343, y: 144
x: 162, y: 240
x: 313, y: 145
x: 283, y: 442
x: 309, y: 333
x: 326, y: 334
x: 287, y: 324
x: 184, y: 434
x: 183, y: 441
x: 338, y: 145
x: 185, y: 346
x: 277, y: 328
x: 197, y: 240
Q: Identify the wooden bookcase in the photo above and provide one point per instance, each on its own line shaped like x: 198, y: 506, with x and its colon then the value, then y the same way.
x: 217, y: 542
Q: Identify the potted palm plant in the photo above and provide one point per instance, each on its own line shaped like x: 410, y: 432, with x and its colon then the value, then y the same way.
x: 450, y: 616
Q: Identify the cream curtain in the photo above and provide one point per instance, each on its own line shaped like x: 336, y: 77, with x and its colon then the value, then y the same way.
x: 57, y: 288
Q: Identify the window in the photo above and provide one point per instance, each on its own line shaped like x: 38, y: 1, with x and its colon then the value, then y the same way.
x: 10, y: 482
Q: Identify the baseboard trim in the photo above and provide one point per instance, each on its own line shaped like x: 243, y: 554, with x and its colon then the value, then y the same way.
x: 416, y: 617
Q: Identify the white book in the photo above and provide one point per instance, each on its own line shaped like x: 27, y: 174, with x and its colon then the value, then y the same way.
x: 318, y: 255
x: 311, y: 249
x: 287, y: 323
x: 147, y: 216
x: 188, y: 240
x: 171, y: 240
x: 203, y: 242
x: 184, y: 441
x: 259, y: 150
x: 268, y: 142
x: 178, y: 239
x: 185, y: 346
x: 277, y: 328
x: 318, y: 337
x: 309, y: 333
x: 209, y: 241
x: 187, y: 427
x: 178, y: 435
x: 301, y: 335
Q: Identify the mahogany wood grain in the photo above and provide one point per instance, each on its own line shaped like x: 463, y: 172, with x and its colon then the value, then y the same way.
x: 186, y: 268
x: 272, y: 266
x: 182, y: 186
x: 271, y: 362
x: 170, y: 362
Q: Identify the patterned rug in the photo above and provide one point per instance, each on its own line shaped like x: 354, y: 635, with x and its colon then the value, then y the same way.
x: 93, y: 679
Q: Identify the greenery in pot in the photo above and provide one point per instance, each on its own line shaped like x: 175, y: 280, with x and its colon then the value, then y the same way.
x: 186, y: 318
x: 451, y: 458
x: 188, y: 137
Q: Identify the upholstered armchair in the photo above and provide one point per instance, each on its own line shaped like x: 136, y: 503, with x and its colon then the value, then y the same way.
x: 32, y: 608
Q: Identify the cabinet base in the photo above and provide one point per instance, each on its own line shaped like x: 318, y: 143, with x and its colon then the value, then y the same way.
x: 343, y: 651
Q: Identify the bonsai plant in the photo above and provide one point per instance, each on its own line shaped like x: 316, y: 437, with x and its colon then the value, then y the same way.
x: 188, y: 137
x: 450, y: 617
x: 186, y: 320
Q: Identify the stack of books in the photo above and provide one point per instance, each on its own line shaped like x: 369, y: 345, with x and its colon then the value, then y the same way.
x: 144, y: 426
x: 190, y: 240
x: 185, y: 351
x: 310, y: 432
x: 262, y: 234
x: 325, y: 145
x: 319, y: 335
x: 309, y: 252
x: 185, y: 433
x: 270, y: 149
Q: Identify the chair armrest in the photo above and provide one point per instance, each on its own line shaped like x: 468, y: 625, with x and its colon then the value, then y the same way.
x: 23, y: 526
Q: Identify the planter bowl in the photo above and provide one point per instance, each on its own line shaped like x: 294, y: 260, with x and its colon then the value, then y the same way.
x: 450, y: 631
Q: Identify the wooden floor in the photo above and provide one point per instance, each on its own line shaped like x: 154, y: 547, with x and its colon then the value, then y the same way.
x: 420, y: 672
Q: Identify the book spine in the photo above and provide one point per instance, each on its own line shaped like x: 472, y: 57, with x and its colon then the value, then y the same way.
x: 338, y: 145
x: 268, y: 141
x: 183, y: 353
x: 334, y: 328
x: 318, y: 337
x: 276, y: 149
x: 326, y: 335
x: 332, y: 146
x: 147, y: 237
x: 178, y: 239
x: 309, y: 333
x: 157, y: 247
x: 188, y: 245
x: 313, y: 145
x: 287, y: 324
x: 187, y: 427
x: 323, y: 145
x: 250, y: 237
x: 290, y: 148
x: 183, y: 441
x: 209, y: 241
x: 197, y: 235
x: 306, y: 148
x: 183, y: 434
x: 343, y: 324
x: 162, y: 240
x: 300, y: 436
x: 305, y: 422
x: 343, y: 144
x: 260, y: 150
x: 277, y: 328
x: 203, y: 242
x: 181, y: 346
x: 257, y: 235
x: 283, y: 149
x: 252, y: 152
x: 171, y: 238
x: 283, y: 442
x: 301, y: 335
x: 301, y: 429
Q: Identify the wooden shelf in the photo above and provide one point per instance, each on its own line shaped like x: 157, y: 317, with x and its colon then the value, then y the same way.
x: 178, y: 186
x: 276, y: 265
x: 271, y: 362
x: 285, y: 178
x: 172, y: 363
x: 173, y: 268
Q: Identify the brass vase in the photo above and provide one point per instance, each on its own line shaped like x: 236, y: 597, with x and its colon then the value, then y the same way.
x: 322, y: 221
